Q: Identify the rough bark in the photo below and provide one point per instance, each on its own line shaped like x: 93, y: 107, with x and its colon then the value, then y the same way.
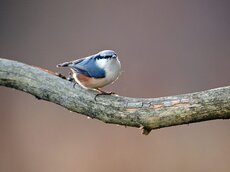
x: 151, y: 113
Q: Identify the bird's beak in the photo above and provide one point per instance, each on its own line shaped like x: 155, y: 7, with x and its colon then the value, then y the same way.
x: 114, y: 56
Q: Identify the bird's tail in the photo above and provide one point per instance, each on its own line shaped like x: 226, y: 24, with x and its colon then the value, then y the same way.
x: 65, y: 64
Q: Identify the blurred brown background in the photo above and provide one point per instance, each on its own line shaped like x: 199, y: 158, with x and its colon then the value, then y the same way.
x: 166, y: 47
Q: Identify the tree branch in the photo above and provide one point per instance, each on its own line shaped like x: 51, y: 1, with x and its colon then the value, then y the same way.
x: 151, y: 113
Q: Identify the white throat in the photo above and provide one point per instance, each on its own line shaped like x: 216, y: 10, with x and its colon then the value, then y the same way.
x: 112, y: 68
x: 102, y: 63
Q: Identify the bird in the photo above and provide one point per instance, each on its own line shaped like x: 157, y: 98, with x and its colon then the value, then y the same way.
x: 95, y: 71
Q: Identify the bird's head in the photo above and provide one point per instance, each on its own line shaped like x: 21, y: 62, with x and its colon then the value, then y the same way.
x: 106, y: 54
x: 106, y: 58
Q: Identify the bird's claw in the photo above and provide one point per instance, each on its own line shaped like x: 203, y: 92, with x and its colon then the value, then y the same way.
x: 103, y: 93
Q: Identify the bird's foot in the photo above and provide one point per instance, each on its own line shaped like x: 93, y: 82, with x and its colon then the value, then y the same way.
x: 102, y: 93
x: 75, y: 83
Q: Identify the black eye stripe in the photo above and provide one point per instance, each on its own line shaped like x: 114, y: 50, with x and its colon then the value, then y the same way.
x: 104, y: 57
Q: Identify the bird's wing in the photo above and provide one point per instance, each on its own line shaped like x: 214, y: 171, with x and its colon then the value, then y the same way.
x: 87, y: 66
x: 69, y: 64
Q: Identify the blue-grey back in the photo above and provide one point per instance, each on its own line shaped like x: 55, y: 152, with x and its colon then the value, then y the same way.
x: 88, y: 67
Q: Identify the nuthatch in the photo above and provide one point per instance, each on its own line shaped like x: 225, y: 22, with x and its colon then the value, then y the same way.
x: 95, y: 71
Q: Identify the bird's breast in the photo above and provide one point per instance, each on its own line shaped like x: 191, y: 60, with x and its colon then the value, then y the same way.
x: 112, y: 71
